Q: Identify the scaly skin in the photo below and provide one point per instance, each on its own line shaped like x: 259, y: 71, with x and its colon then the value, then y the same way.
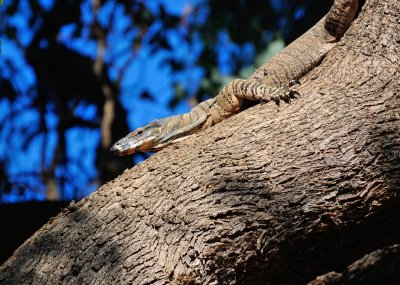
x: 274, y: 80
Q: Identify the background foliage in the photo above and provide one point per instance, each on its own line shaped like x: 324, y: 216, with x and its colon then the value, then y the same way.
x: 77, y: 75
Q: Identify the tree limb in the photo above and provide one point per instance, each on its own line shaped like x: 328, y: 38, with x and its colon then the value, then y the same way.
x: 273, y: 195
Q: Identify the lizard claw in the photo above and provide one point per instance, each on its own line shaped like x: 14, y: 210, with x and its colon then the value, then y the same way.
x: 287, y: 96
x: 276, y: 99
x: 293, y: 83
x: 291, y: 93
x: 294, y: 93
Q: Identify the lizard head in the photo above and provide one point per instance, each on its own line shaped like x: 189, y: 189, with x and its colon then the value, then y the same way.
x: 142, y: 139
x: 160, y: 133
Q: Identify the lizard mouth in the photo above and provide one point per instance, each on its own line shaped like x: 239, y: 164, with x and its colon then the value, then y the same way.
x: 123, y: 147
x: 156, y: 147
x: 116, y: 150
x: 130, y: 146
x: 160, y: 146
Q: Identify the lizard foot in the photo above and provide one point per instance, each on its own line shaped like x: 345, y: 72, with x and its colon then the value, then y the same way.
x: 286, y: 94
x: 290, y: 93
x: 256, y: 90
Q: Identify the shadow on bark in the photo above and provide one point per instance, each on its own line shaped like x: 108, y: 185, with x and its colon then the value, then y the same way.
x: 379, y: 267
x: 50, y: 244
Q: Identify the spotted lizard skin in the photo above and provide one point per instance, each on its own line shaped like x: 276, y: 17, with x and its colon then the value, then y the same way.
x: 274, y: 80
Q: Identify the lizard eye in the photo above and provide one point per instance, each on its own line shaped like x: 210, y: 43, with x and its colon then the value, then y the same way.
x: 140, y: 132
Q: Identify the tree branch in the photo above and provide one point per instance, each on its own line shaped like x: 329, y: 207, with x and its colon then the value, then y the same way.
x: 273, y: 195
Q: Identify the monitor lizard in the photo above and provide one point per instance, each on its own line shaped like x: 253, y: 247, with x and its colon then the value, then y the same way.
x: 274, y: 80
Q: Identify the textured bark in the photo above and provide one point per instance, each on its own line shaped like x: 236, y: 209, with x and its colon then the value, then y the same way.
x: 271, y: 195
x: 379, y: 267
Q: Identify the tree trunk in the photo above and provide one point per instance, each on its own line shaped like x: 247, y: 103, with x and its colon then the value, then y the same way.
x: 273, y: 195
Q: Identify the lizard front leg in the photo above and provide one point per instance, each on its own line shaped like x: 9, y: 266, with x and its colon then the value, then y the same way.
x: 255, y: 90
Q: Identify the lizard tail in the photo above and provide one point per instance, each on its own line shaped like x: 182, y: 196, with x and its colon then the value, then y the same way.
x: 302, y: 55
x: 340, y: 16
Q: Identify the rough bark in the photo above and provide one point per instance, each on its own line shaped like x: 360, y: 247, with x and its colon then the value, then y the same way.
x: 379, y: 267
x: 272, y: 195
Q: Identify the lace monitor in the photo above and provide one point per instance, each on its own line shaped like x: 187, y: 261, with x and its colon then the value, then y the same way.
x: 274, y: 80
